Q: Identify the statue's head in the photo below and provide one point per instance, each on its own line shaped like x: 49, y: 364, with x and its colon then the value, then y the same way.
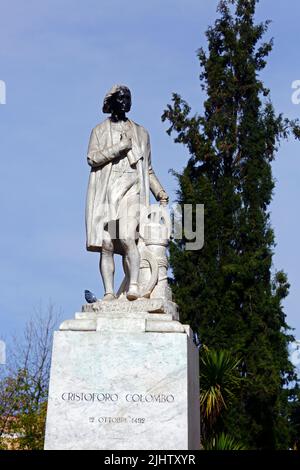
x: 118, y: 99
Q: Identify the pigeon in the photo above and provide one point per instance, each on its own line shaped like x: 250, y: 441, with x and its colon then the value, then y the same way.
x: 196, y: 340
x: 90, y: 297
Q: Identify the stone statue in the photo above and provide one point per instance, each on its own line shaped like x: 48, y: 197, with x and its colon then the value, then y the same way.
x: 157, y: 361
x: 120, y: 182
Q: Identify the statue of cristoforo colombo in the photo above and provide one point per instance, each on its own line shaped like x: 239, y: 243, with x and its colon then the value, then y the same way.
x: 118, y: 194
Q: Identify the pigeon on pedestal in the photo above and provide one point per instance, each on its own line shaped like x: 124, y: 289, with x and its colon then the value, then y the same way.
x: 90, y: 297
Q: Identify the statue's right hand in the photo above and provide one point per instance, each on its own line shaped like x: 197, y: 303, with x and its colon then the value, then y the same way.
x: 125, y: 143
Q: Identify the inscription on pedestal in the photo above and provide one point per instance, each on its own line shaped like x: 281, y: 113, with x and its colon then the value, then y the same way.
x: 120, y: 391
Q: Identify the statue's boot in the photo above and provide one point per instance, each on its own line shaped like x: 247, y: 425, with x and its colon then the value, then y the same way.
x: 109, y: 297
x: 133, y: 292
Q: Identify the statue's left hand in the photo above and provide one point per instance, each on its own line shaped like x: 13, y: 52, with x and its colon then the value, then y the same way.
x: 163, y: 198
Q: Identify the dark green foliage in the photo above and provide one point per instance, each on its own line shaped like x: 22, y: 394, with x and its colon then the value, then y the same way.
x: 226, y: 291
x: 295, y: 418
x: 223, y: 442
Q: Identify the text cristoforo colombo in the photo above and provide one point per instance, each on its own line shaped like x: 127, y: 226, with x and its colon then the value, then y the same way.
x: 114, y: 397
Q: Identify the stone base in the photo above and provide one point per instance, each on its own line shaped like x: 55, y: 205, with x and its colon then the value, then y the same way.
x: 144, y: 315
x: 112, y: 389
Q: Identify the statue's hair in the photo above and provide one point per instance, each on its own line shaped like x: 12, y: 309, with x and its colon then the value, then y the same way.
x: 107, y: 99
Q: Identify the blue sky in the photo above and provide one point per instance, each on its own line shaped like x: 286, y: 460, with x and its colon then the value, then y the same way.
x: 58, y: 58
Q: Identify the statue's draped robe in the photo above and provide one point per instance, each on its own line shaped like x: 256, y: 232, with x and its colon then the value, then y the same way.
x: 105, y: 196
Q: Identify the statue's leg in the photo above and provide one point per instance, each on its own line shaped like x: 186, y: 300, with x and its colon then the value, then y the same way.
x: 128, y: 235
x: 107, y: 267
x: 126, y: 269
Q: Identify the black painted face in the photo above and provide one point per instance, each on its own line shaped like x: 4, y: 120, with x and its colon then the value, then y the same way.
x: 121, y: 102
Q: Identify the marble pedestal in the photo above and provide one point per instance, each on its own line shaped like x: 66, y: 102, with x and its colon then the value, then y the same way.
x: 121, y: 386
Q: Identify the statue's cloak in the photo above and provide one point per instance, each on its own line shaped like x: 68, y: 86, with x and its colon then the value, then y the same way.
x: 96, y: 203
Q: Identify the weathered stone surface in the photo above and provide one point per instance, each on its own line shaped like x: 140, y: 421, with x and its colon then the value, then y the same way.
x: 125, y: 324
x: 153, y: 316
x: 164, y: 327
x: 123, y: 314
x: 123, y: 391
x: 78, y: 325
x: 157, y: 305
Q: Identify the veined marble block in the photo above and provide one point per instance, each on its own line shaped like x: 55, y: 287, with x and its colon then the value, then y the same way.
x: 113, y: 389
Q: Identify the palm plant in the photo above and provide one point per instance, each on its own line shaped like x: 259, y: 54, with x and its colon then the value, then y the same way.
x: 223, y: 442
x: 219, y: 378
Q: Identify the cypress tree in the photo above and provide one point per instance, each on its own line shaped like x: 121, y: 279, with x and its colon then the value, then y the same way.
x: 228, y: 291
